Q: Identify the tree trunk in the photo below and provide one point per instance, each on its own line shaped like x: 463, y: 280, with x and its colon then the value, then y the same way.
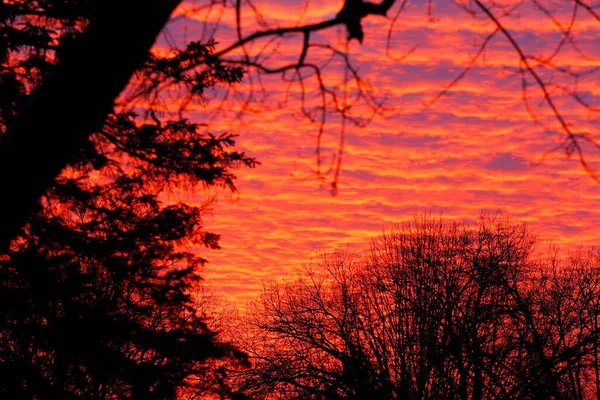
x: 73, y: 103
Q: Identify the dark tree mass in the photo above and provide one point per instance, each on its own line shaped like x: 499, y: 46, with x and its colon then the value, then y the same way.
x: 96, y: 290
x: 432, y: 310
x: 75, y: 97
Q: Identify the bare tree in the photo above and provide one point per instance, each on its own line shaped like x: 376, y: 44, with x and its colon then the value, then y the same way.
x: 551, y: 82
x: 432, y: 310
x: 565, y: 302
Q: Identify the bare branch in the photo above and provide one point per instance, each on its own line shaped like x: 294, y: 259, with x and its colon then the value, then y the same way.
x: 571, y: 144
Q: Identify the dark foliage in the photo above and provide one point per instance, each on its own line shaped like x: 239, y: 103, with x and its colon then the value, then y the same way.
x: 96, y: 291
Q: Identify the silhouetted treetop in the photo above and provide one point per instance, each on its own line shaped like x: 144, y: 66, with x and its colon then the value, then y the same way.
x: 431, y: 310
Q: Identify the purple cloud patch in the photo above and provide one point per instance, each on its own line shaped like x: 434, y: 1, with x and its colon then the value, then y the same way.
x: 507, y: 162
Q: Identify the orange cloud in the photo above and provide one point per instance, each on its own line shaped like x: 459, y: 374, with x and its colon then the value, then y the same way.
x: 475, y: 149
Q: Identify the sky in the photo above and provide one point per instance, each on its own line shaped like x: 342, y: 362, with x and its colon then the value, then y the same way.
x: 477, y: 148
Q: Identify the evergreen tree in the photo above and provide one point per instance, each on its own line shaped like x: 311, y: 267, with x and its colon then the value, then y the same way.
x: 96, y: 291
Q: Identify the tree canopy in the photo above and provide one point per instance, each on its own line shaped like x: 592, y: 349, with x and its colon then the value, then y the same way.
x: 432, y: 310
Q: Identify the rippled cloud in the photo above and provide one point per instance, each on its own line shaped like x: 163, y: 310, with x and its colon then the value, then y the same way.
x: 476, y: 148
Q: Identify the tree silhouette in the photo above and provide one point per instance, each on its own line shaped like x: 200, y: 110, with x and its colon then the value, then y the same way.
x: 97, y: 289
x: 76, y: 95
x: 432, y: 310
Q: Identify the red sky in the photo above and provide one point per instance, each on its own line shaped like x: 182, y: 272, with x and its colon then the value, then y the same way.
x: 475, y: 149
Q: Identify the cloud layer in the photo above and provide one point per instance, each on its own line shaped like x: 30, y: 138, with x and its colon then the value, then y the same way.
x: 477, y: 148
